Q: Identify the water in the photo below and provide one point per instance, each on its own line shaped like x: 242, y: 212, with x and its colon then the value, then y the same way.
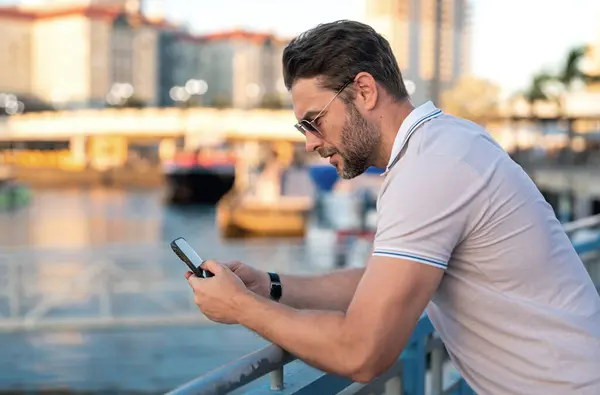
x: 71, y: 245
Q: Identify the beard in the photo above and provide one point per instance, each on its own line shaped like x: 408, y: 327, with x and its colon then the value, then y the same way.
x: 360, y: 140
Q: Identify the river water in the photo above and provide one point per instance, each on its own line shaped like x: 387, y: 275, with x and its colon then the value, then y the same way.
x: 71, y: 245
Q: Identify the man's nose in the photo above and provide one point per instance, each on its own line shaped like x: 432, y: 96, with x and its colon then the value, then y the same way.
x: 312, y: 142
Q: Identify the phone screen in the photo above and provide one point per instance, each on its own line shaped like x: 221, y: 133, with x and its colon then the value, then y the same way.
x: 189, y: 256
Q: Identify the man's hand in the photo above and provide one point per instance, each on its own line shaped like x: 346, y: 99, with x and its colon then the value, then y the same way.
x: 255, y: 280
x: 218, y: 297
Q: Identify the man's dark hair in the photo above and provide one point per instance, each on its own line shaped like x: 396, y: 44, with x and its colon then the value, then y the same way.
x: 337, y: 52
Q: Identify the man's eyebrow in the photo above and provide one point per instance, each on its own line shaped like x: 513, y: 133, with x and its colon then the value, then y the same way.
x: 310, y: 115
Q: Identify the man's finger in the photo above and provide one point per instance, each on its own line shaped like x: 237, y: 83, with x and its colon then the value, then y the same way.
x: 232, y: 265
x: 193, y: 280
x: 212, y: 266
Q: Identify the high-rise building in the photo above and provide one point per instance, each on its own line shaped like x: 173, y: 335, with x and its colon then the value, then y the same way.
x: 411, y: 28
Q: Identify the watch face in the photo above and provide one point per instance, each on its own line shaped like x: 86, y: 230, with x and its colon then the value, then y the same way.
x: 275, y: 291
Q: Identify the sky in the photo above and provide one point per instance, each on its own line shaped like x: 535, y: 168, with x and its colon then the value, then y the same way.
x: 511, y: 39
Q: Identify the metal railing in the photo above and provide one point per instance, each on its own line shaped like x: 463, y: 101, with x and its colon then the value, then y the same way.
x: 90, y: 289
x: 408, y: 375
x: 121, y: 285
x: 423, y: 367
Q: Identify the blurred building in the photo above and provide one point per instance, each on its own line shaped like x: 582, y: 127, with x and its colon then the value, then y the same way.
x: 228, y: 69
x: 77, y: 56
x: 243, y: 70
x: 179, y: 65
x: 16, y: 50
x: 410, y: 27
x: 94, y: 53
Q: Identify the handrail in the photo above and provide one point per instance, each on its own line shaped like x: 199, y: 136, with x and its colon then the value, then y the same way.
x: 238, y: 373
x: 271, y: 359
x: 583, y: 223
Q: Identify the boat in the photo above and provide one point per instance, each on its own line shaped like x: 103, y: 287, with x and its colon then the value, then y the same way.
x: 244, y: 215
x: 199, y: 178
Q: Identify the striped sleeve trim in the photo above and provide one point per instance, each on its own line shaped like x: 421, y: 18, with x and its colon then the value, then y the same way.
x: 412, y: 257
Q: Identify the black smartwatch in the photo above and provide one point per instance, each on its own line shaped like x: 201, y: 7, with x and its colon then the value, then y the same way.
x: 275, y: 290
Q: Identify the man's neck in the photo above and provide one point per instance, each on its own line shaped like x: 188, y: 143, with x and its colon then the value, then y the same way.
x: 391, y: 119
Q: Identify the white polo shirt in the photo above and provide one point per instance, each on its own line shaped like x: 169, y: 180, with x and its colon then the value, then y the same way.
x: 516, y: 308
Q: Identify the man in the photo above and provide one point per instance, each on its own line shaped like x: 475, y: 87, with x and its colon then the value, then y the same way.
x: 462, y: 232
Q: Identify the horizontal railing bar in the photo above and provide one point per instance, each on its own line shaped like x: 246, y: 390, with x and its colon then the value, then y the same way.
x: 325, y: 384
x: 99, y: 322
x: 297, y: 376
x: 582, y: 223
x: 587, y: 246
x: 140, y: 248
x: 237, y: 373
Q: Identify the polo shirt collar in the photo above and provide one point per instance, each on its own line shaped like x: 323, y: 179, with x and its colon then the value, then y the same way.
x: 416, y: 118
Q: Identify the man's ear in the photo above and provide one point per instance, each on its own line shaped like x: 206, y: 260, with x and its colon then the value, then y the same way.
x: 365, y: 87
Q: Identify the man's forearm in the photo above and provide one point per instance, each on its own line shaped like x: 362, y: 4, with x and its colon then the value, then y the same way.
x: 322, y: 339
x: 332, y: 291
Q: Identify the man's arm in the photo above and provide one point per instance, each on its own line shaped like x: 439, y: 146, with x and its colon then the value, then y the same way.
x: 332, y: 291
x: 363, y: 342
x: 417, y: 233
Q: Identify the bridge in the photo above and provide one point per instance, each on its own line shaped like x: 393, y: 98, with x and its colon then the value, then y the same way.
x: 110, y: 133
x: 210, y: 124
x: 104, y: 138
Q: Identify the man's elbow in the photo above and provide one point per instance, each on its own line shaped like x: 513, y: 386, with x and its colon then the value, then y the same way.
x: 364, y: 375
x: 367, y: 369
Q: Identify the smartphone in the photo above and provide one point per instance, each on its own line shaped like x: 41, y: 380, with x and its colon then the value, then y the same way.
x: 186, y: 253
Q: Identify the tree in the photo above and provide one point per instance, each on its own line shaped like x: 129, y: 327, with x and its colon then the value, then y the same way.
x: 547, y: 86
x: 537, y: 90
x: 572, y: 70
x: 472, y: 98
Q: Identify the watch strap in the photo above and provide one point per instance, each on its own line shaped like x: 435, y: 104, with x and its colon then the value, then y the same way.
x: 275, y: 291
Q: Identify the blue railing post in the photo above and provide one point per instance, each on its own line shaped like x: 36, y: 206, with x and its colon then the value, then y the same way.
x: 413, y: 369
x: 464, y: 389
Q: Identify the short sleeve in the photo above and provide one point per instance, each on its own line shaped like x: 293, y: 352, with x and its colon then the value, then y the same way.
x: 425, y: 209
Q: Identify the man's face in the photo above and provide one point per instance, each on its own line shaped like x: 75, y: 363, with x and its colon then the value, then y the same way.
x: 344, y: 135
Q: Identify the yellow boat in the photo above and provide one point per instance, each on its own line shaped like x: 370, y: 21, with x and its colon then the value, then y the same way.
x: 247, y: 216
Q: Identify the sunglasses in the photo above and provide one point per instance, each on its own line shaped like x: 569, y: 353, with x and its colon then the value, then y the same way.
x: 305, y: 125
